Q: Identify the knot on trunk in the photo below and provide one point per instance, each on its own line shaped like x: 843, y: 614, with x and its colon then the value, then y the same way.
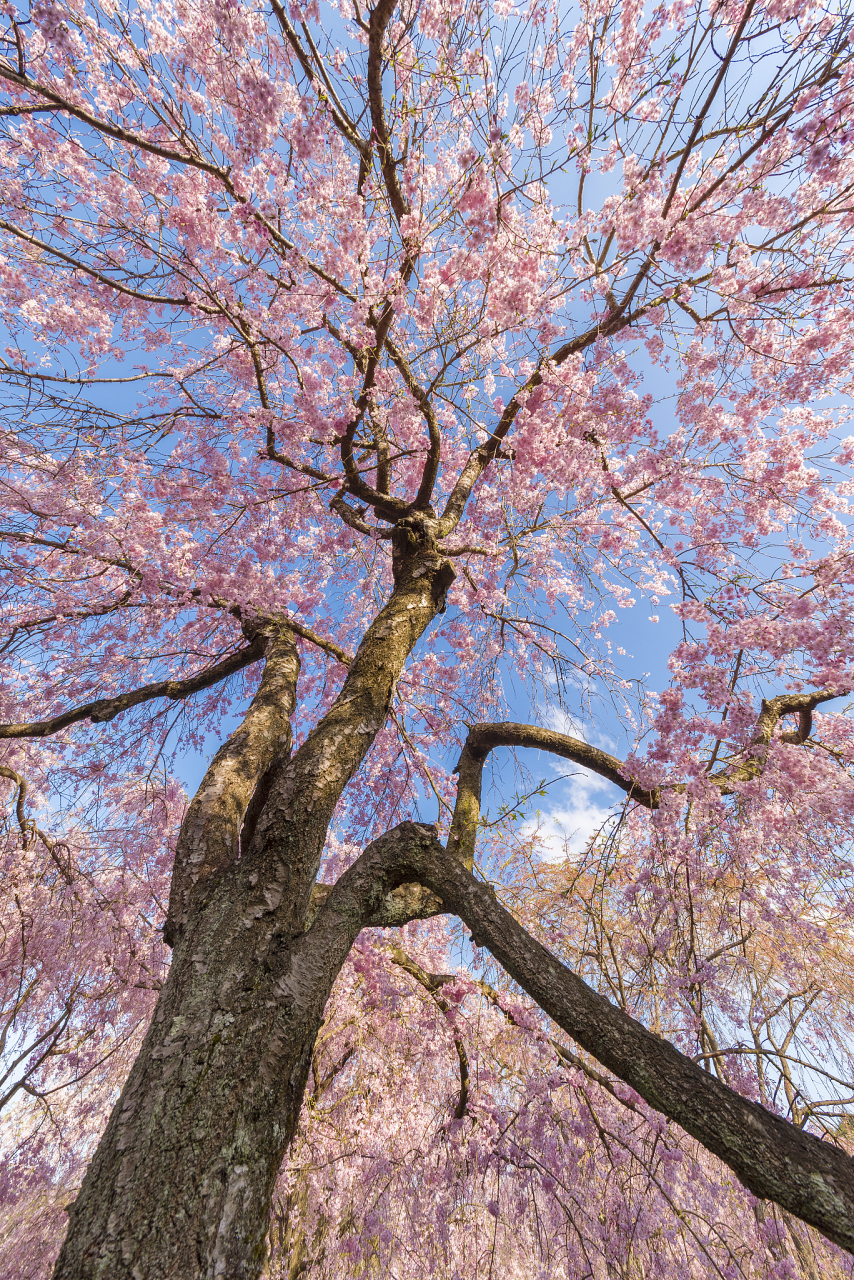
x: 415, y: 532
x: 415, y: 553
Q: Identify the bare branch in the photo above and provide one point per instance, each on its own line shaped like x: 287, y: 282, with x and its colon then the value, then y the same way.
x: 104, y: 709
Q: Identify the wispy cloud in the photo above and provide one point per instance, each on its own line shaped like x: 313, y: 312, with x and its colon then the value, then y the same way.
x: 580, y: 804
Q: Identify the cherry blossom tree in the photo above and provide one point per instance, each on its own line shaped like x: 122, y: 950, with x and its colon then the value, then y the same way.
x: 360, y: 368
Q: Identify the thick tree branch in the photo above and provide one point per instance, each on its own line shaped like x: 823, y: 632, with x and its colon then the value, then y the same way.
x: 483, y: 738
x: 771, y: 712
x: 804, y: 1175
x: 353, y: 519
x: 292, y: 826
x: 328, y: 646
x: 210, y: 835
x: 20, y: 799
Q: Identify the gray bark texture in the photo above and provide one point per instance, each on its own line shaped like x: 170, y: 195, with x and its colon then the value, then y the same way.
x: 182, y: 1181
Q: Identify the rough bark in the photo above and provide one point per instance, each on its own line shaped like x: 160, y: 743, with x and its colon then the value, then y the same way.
x: 181, y: 1183
x: 182, y: 1180
x: 209, y: 839
x: 776, y: 1161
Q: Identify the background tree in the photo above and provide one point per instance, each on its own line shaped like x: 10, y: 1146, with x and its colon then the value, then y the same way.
x: 361, y: 366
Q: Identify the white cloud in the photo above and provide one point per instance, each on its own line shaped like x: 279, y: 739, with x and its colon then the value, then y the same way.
x: 584, y: 803
x: 580, y: 802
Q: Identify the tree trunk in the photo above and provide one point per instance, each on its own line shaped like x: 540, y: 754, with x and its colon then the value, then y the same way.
x: 181, y: 1183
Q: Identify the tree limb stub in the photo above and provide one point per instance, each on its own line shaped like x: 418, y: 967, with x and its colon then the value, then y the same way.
x: 397, y: 907
x: 774, y: 1160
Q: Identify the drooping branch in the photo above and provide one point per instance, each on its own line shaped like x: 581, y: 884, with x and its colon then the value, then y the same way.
x: 61, y: 105
x: 27, y: 826
x: 250, y: 621
x: 433, y: 983
x: 20, y: 797
x: 774, y: 1160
